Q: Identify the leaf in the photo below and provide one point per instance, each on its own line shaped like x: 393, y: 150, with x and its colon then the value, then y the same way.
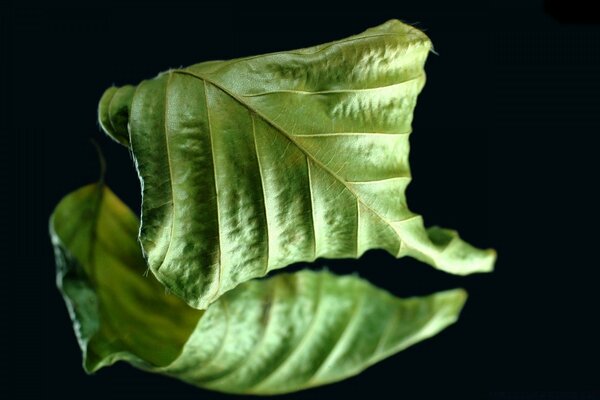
x: 247, y: 166
x: 253, y: 164
x: 284, y: 333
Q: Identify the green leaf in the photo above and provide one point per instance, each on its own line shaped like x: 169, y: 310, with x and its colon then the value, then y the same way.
x: 247, y: 166
x: 276, y: 335
x: 253, y: 164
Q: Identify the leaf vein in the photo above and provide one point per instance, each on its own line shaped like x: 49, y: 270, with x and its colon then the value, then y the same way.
x: 286, y: 359
x: 344, y: 335
x: 170, y: 167
x: 216, y: 355
x: 264, y: 193
x: 333, y: 91
x: 325, y: 134
x: 214, y: 168
x: 406, y: 177
x: 312, y: 207
x: 270, y: 300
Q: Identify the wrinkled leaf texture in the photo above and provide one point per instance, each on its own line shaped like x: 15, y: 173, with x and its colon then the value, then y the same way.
x: 247, y: 166
x: 253, y: 164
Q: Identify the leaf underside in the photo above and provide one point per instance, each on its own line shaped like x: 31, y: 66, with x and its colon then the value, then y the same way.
x: 248, y: 166
x: 276, y: 335
x: 253, y: 164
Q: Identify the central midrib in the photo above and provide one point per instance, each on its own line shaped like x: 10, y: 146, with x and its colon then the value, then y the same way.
x: 298, y: 145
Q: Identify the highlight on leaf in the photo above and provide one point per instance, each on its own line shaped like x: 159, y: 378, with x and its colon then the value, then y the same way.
x: 247, y: 166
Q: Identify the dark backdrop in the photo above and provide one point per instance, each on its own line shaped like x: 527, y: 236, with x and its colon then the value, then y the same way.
x: 502, y: 150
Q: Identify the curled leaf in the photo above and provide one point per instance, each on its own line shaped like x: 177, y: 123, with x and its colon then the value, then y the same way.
x: 276, y: 335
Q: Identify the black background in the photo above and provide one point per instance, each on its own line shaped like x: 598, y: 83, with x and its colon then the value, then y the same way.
x: 502, y: 150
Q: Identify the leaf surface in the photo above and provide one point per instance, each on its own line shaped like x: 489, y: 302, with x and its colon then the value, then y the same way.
x: 275, y: 335
x: 253, y: 164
